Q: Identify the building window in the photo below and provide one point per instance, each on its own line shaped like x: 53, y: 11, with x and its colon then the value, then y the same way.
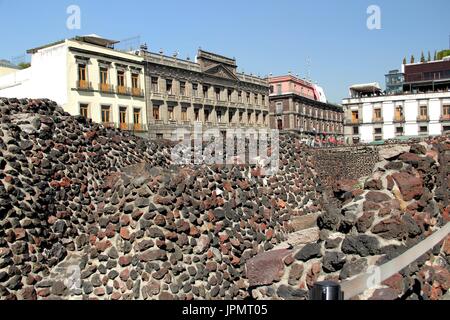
x: 183, y: 114
x: 240, y: 96
x: 169, y: 86
x: 106, y: 114
x: 84, y: 110
x: 103, y: 76
x: 264, y: 118
x: 249, y: 118
x: 205, y: 92
x: 355, y: 130
x: 230, y: 116
x: 378, y: 138
x: 170, y: 113
x: 206, y: 113
x: 423, y: 129
x: 159, y: 136
x: 279, y: 91
x: 423, y: 113
x: 156, y: 112
x: 82, y: 76
x: 197, y: 115
x: 135, y: 81
x: 121, y: 82
x: 217, y: 92
x: 241, y: 116
x: 271, y: 89
x: 219, y: 116
x: 182, y: 88
x: 123, y: 118
x: 355, y: 117
x: 378, y: 131
x: 137, y: 118
x: 154, y: 84
x: 377, y: 115
x: 399, y: 113
x: 248, y: 97
x: 229, y: 92
x: 195, y: 90
x: 279, y: 107
x: 399, y: 130
x: 446, y: 112
x: 255, y: 95
x: 263, y: 100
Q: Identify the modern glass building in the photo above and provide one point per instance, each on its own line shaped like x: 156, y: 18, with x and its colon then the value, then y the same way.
x: 394, y: 82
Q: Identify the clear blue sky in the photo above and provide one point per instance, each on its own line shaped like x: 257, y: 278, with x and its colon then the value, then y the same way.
x: 265, y: 36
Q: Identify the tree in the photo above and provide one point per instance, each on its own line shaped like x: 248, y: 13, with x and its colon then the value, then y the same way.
x: 422, y: 58
x: 429, y: 56
x: 404, y: 60
x: 24, y: 65
x: 412, y: 58
x: 435, y: 55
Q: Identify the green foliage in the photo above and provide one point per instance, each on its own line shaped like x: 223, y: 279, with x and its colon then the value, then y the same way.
x: 442, y: 54
x: 24, y: 65
x: 404, y: 60
x: 429, y: 56
x: 422, y: 58
x: 412, y: 58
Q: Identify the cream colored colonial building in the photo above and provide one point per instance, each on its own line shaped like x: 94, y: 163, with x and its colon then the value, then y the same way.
x: 86, y: 76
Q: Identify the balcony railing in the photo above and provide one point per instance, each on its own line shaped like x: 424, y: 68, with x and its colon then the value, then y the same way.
x: 84, y: 85
x: 105, y: 88
x: 352, y: 121
x: 159, y: 121
x: 445, y: 117
x: 422, y: 118
x: 122, y: 90
x: 377, y: 120
x: 137, y: 92
x: 399, y: 119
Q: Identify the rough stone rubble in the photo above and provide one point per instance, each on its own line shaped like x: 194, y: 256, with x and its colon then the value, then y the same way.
x: 79, y: 201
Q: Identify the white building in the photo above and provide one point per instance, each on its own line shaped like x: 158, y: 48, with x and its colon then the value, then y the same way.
x: 86, y: 76
x: 371, y: 116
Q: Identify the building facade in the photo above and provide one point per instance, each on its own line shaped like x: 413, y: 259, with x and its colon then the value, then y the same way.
x: 421, y: 107
x: 394, y: 82
x: 208, y: 92
x: 297, y: 105
x: 86, y: 76
x: 378, y: 117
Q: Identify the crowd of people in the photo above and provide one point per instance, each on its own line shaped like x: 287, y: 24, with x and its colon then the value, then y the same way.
x: 320, y: 141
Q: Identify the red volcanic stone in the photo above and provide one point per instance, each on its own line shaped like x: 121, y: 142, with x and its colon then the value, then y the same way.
x: 395, y: 282
x: 223, y: 237
x: 116, y: 295
x: 384, y: 294
x: 374, y: 184
x: 227, y: 186
x: 243, y: 184
x: 269, y: 234
x: 103, y: 245
x: 266, y: 268
x: 20, y: 233
x: 54, y: 184
x: 125, y: 233
x: 124, y: 220
x: 124, y: 275
x: 193, y: 231
x: 370, y: 206
x: 377, y: 197
x: 410, y: 186
x: 90, y: 134
x: 390, y: 229
x: 110, y: 230
x: 124, y: 261
x: 65, y: 182
x: 390, y: 183
x: 345, y: 185
x: 446, y: 246
x: 44, y: 292
x: 409, y: 157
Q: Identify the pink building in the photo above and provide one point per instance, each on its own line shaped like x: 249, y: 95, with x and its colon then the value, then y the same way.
x: 289, y: 84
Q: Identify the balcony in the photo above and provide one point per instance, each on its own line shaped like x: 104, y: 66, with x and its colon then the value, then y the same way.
x: 445, y: 117
x: 157, y: 96
x: 137, y: 92
x: 172, y: 122
x: 159, y: 122
x: 186, y: 122
x: 84, y: 85
x: 377, y: 120
x: 399, y: 119
x: 352, y: 121
x: 422, y: 118
x: 185, y: 99
x: 105, y: 88
x: 123, y: 90
x: 197, y: 100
